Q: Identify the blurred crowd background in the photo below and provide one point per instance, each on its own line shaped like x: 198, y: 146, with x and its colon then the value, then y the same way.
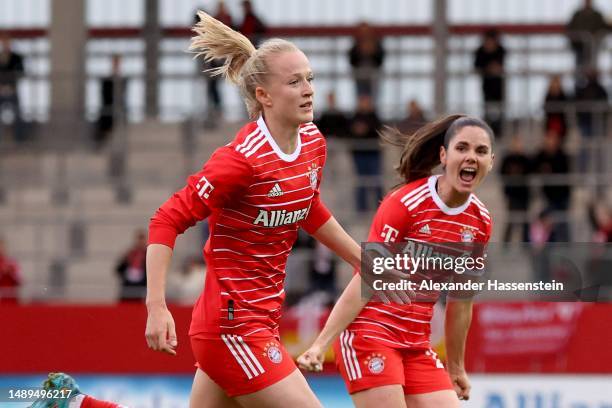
x: 103, y: 114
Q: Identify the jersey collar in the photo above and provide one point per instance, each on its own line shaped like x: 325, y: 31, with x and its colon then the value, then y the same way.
x: 284, y: 156
x: 441, y: 205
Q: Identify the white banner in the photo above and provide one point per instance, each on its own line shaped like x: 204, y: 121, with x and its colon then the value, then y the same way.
x: 540, y: 391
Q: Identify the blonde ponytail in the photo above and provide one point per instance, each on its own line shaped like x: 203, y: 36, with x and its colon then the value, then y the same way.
x: 244, y: 65
x: 215, y: 40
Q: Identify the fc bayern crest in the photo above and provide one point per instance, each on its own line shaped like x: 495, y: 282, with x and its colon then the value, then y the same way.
x: 376, y: 363
x: 467, y: 235
x: 273, y: 352
x: 312, y: 175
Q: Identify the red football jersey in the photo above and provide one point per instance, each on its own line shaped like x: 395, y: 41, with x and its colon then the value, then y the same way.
x: 256, y: 196
x: 416, y: 212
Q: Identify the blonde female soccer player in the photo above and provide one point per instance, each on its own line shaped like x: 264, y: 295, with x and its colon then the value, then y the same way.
x: 256, y: 192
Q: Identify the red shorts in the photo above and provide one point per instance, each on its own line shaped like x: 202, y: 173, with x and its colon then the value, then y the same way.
x: 242, y: 366
x: 365, y: 364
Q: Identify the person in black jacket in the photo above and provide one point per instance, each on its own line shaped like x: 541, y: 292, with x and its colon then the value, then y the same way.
x: 591, y: 105
x: 11, y: 69
x: 214, y: 112
x: 333, y: 122
x: 489, y: 63
x: 586, y: 30
x: 365, y: 125
x: 112, y: 95
x: 591, y: 115
x: 552, y: 160
x: 366, y: 57
x: 515, y: 168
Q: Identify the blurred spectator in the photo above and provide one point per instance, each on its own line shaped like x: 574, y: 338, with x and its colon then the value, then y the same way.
x: 333, y: 122
x: 542, y: 232
x: 11, y: 69
x: 366, y: 57
x: 600, y: 216
x: 552, y: 160
x: 591, y: 111
x: 591, y: 105
x: 366, y: 153
x: 252, y: 26
x: 599, y: 265
x: 321, y: 264
x: 185, y: 288
x: 213, y: 95
x: 223, y: 14
x: 415, y: 118
x: 515, y: 168
x: 10, y: 278
x: 298, y: 268
x: 132, y: 270
x: 489, y: 62
x: 112, y: 95
x: 585, y: 30
x: 323, y: 272
x: 555, y: 107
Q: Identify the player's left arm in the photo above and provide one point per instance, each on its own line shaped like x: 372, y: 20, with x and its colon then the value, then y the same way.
x: 456, y: 326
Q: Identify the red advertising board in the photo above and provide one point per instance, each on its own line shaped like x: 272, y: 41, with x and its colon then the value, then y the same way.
x: 504, y: 338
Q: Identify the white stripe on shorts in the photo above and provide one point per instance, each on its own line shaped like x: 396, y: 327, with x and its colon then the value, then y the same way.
x: 250, y: 353
x: 227, y: 339
x: 246, y: 358
x: 349, y: 356
x: 354, y: 355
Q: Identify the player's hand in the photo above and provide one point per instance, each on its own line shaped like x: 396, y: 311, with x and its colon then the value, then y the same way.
x: 160, y: 332
x: 312, y: 359
x: 461, y: 383
x: 401, y: 297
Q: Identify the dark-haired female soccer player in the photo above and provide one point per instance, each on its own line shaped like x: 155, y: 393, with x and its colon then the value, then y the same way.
x: 384, y: 354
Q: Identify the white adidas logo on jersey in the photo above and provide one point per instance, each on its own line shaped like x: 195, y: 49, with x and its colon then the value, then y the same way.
x: 425, y: 229
x: 275, y: 191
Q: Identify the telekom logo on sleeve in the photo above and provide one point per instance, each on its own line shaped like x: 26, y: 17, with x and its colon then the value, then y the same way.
x: 389, y: 234
x: 204, y: 187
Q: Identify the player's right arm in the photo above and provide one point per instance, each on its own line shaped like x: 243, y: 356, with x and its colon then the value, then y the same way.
x: 160, y: 331
x: 222, y: 179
